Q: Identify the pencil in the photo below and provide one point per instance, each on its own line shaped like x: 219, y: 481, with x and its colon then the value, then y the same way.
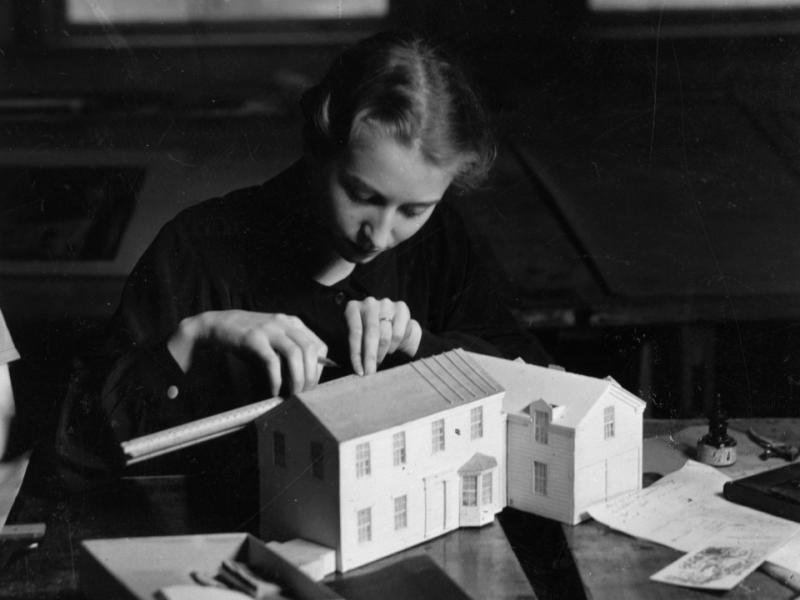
x: 788, y: 578
x: 327, y: 362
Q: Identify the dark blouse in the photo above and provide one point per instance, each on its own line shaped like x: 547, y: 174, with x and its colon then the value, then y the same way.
x: 246, y: 251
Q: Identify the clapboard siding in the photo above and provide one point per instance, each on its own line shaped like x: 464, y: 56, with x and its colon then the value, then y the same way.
x: 556, y: 454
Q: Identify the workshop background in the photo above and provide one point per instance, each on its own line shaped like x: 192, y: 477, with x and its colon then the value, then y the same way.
x: 643, y: 212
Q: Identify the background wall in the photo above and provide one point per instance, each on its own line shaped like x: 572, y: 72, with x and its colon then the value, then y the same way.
x: 642, y: 211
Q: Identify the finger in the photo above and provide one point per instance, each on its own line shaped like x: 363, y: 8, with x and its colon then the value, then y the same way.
x: 385, y: 338
x: 355, y: 328
x: 258, y: 343
x: 369, y: 317
x: 311, y: 348
x: 409, y: 345
x: 292, y: 355
x: 402, y: 315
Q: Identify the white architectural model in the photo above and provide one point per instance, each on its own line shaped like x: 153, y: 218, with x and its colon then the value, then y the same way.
x: 370, y: 466
x: 573, y: 441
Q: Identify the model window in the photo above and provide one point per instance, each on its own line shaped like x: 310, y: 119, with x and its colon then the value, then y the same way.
x: 364, y: 518
x: 437, y: 434
x: 363, y: 463
x: 317, y: 465
x: 399, y: 448
x: 486, y: 488
x: 539, y: 478
x: 542, y: 422
x: 400, y: 512
x: 279, y: 449
x: 476, y: 422
x: 608, y: 422
x: 469, y: 490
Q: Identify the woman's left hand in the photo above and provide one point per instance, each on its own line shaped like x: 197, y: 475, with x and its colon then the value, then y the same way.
x: 377, y: 328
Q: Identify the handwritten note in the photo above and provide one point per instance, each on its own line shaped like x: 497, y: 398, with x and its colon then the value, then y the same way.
x: 685, y: 509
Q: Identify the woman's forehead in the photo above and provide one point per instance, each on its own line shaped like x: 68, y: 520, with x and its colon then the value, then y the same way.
x: 395, y: 170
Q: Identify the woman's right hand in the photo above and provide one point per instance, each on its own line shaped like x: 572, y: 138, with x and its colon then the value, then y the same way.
x: 271, y: 338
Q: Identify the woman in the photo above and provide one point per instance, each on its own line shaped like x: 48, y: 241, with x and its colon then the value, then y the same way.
x: 349, y: 255
x: 8, y: 354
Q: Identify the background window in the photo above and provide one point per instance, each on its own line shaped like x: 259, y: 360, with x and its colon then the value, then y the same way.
x: 401, y: 512
x: 437, y: 435
x: 364, y: 518
x: 476, y: 422
x: 539, y: 478
x: 184, y: 11
x: 469, y: 490
x: 399, y: 448
x: 279, y: 449
x: 363, y: 463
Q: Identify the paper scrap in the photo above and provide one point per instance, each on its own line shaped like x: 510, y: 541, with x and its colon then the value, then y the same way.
x: 722, y: 562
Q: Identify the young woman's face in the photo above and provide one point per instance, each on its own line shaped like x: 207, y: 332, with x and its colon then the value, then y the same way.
x: 379, y: 193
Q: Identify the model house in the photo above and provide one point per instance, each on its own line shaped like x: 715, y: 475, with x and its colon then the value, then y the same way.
x: 573, y: 440
x: 369, y: 466
x: 372, y: 465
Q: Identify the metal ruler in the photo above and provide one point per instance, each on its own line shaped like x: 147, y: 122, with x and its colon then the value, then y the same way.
x: 182, y: 436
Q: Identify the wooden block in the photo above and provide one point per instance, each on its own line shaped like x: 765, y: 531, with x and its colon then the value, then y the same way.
x: 312, y: 559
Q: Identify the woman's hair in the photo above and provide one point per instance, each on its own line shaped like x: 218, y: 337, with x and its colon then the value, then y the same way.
x: 403, y: 86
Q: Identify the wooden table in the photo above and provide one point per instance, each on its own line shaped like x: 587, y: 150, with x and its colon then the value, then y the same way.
x: 481, y: 560
x: 615, y: 566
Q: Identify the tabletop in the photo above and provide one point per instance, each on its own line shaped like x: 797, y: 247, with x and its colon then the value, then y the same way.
x: 616, y: 566
x: 480, y: 561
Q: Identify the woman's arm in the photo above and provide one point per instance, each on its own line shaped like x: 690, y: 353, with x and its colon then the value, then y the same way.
x: 7, y: 408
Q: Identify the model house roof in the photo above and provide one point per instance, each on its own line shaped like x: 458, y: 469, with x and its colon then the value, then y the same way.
x: 526, y: 383
x: 355, y: 406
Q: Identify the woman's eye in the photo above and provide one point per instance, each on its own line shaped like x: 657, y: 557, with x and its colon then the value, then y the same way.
x: 414, y: 212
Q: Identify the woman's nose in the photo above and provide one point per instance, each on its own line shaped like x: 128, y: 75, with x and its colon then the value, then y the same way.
x: 379, y: 230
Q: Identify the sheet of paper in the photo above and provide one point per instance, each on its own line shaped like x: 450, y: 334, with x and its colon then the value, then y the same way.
x: 12, y: 473
x: 721, y: 563
x: 685, y: 509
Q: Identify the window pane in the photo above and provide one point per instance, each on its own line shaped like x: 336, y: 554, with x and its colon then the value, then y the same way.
x: 540, y: 478
x: 363, y: 462
x: 486, y: 488
x: 542, y: 421
x: 399, y: 448
x: 608, y: 422
x: 400, y: 512
x: 100, y: 12
x: 469, y: 490
x: 364, y: 517
x: 437, y: 435
x: 476, y: 422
